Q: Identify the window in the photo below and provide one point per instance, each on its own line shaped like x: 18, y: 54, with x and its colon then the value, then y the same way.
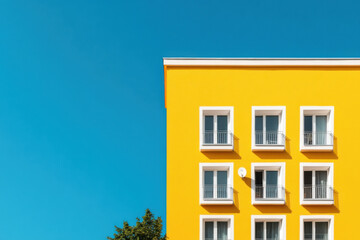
x: 316, y: 183
x: 268, y: 183
x: 216, y: 128
x: 220, y: 135
x: 317, y: 227
x: 268, y: 128
x: 216, y: 227
x: 316, y: 128
x: 216, y: 181
x: 268, y: 227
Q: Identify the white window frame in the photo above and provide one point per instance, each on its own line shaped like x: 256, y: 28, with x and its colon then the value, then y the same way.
x: 229, y: 111
x: 274, y: 166
x: 317, y: 218
x: 314, y: 111
x: 263, y: 111
x: 330, y: 181
x: 229, y: 218
x: 269, y: 218
x: 216, y: 167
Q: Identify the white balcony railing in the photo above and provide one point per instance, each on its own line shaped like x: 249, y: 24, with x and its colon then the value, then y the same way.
x: 217, y: 138
x: 267, y: 238
x: 318, y: 192
x: 269, y: 138
x: 270, y: 192
x: 218, y: 192
x: 218, y: 238
x: 318, y: 139
x: 323, y: 236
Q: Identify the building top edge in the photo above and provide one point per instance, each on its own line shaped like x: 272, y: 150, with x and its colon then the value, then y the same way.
x: 261, y: 61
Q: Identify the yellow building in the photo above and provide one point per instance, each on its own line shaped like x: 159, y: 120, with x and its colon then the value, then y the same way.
x: 262, y: 148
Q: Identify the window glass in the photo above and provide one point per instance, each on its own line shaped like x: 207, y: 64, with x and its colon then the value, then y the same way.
x: 258, y: 123
x: 308, y: 138
x: 272, y: 126
x: 271, y: 184
x: 222, y: 230
x: 307, y: 230
x: 308, y: 184
x: 209, y: 230
x: 321, y: 122
x: 259, y: 230
x: 222, y: 122
x: 321, y: 230
x: 222, y: 125
x: 209, y: 123
x: 272, y: 230
x: 307, y: 178
x: 321, y: 177
x: 209, y: 184
x: 272, y: 123
x: 222, y: 184
x: 209, y: 129
x: 308, y: 123
x: 259, y: 130
x: 259, y: 178
x: 321, y: 134
x: 321, y: 182
x: 259, y: 191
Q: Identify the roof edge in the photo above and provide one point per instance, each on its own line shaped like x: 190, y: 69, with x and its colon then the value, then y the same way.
x: 261, y: 61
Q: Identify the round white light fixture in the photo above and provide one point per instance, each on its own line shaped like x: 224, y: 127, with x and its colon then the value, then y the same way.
x: 242, y: 172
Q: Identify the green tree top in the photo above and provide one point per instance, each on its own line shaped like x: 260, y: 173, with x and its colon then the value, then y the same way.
x: 147, y: 229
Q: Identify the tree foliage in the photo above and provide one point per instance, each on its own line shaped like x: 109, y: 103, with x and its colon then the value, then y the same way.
x: 149, y: 228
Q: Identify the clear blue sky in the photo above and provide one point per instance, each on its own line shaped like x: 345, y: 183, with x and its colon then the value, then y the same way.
x: 82, y: 118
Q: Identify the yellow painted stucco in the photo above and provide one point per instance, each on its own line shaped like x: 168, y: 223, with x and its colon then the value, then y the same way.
x: 188, y: 88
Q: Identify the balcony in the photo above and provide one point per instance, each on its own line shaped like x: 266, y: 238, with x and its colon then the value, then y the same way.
x: 269, y: 141
x: 217, y: 141
x: 318, y: 194
x: 269, y: 138
x: 218, y: 238
x: 318, y: 138
x: 217, y: 194
x: 323, y: 236
x: 271, y: 194
x: 317, y: 141
x: 276, y: 238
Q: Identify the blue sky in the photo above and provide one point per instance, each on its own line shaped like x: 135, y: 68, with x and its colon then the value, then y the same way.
x: 82, y: 118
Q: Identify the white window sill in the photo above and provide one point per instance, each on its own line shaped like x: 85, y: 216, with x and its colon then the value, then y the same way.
x: 268, y: 148
x: 225, y: 147
x: 317, y: 202
x: 327, y: 148
x: 217, y: 202
x: 268, y: 202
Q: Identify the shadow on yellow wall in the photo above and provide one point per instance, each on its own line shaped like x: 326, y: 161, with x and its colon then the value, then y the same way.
x: 276, y: 155
x: 226, y: 155
x: 224, y: 209
x: 325, y: 208
x: 324, y: 155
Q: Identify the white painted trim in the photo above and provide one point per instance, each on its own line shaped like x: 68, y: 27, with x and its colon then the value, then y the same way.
x: 329, y: 218
x: 316, y: 166
x: 316, y: 110
x: 216, y: 167
x: 268, y: 166
x: 268, y: 110
x: 280, y: 218
x: 228, y: 110
x: 217, y: 217
x: 261, y: 61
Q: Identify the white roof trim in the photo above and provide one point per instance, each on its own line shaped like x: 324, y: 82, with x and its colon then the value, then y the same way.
x: 261, y: 61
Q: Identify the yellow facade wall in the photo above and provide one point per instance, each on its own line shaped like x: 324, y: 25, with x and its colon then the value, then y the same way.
x: 188, y: 88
